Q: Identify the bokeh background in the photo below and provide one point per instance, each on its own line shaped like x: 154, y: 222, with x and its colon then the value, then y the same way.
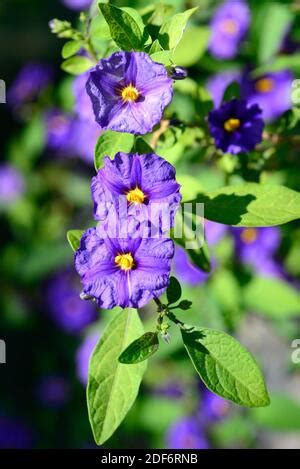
x: 46, y: 153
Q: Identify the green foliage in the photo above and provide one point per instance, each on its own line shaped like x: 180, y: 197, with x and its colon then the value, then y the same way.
x: 110, y: 143
x: 126, y: 30
x: 282, y: 415
x: 141, y: 349
x: 184, y: 54
x: 251, y: 205
x: 174, y: 291
x: 71, y: 48
x: 113, y: 386
x: 172, y: 30
x: 226, y: 367
x: 232, y: 91
x: 77, y: 65
x: 74, y: 237
x: 271, y: 297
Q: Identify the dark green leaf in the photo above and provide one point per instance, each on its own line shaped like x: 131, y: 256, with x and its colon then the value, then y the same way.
x: 140, y: 349
x: 173, y: 291
x: 232, y: 91
x: 184, y: 305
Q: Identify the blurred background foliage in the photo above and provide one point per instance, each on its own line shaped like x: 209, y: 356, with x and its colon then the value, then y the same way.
x: 253, y: 290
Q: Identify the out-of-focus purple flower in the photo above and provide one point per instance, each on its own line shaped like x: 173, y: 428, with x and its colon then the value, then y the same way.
x: 82, y: 139
x: 53, y: 391
x: 236, y: 126
x: 30, y: 82
x: 185, y: 270
x: 170, y: 389
x: 12, y: 184
x: 186, y: 434
x: 212, y: 407
x: 257, y: 247
x: 129, y: 92
x: 58, y: 130
x: 83, y: 356
x: 229, y: 27
x: 15, y: 434
x: 83, y: 105
x: 67, y: 310
x: 271, y: 92
x: 78, y: 4
x: 147, y: 183
x: 218, y: 83
x: 123, y: 272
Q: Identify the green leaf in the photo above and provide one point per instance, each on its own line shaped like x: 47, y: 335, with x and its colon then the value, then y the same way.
x: 173, y: 291
x: 274, y: 22
x: 282, y: 415
x: 184, y: 305
x: 271, y: 297
x: 110, y: 143
x: 226, y: 367
x: 162, y: 57
x: 142, y: 147
x: 127, y: 33
x: 172, y: 30
x: 77, y: 65
x: 187, y: 55
x: 140, y: 349
x: 99, y: 28
x: 112, y: 386
x: 251, y: 205
x: 74, y: 237
x: 71, y: 48
x: 155, y: 47
x: 232, y: 91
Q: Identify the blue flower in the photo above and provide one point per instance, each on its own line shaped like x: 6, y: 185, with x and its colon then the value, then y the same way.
x: 236, y: 127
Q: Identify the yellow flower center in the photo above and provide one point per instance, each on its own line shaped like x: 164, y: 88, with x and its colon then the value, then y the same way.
x: 124, y: 261
x: 135, y: 196
x: 265, y: 85
x: 229, y: 27
x: 232, y: 124
x: 249, y: 235
x: 130, y: 93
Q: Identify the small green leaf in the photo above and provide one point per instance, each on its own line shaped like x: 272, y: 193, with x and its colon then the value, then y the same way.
x: 71, y: 48
x: 155, y: 47
x: 142, y: 147
x: 232, y: 91
x: 251, y: 205
x: 184, y: 54
x: 110, y: 143
x: 174, y: 291
x: 127, y: 33
x: 271, y: 297
x: 74, y: 237
x: 226, y: 367
x: 282, y: 415
x: 77, y: 65
x: 172, y: 30
x: 162, y: 57
x: 112, y: 386
x: 184, y: 305
x: 140, y: 349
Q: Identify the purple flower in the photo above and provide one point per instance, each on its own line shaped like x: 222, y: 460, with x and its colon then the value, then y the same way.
x: 83, y: 105
x: 229, y: 27
x: 83, y: 356
x: 123, y: 272
x: 31, y: 80
x: 53, y: 391
x: 58, y: 130
x: 129, y: 92
x: 78, y: 4
x: 218, y: 83
x: 186, y: 434
x: 82, y: 139
x: 15, y: 434
x: 12, y: 184
x: 212, y: 407
x: 185, y: 270
x: 66, y: 308
x: 257, y: 247
x: 271, y: 92
x: 145, y: 182
x: 236, y: 126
